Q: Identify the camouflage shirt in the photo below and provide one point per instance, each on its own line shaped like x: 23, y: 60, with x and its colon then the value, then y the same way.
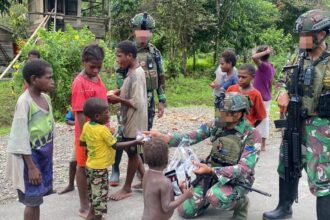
x: 244, y: 169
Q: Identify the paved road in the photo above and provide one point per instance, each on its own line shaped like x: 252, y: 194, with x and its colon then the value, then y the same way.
x: 65, y: 207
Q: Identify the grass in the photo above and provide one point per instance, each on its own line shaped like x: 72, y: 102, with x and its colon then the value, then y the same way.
x: 7, y: 103
x: 188, y: 91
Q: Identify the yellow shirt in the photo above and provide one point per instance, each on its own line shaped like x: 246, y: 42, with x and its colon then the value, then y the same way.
x: 99, y: 142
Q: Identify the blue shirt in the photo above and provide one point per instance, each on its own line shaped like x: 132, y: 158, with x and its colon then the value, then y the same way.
x: 69, y: 116
x: 231, y: 81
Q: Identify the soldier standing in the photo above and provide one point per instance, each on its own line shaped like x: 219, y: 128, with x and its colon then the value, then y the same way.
x: 314, y: 86
x: 235, y: 152
x: 150, y: 59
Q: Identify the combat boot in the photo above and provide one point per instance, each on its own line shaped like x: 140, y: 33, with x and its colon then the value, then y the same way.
x: 287, y: 195
x: 241, y: 209
x: 323, y: 207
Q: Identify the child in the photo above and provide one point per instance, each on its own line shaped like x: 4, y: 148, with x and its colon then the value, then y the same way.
x: 158, y: 193
x: 101, y: 147
x: 133, y: 99
x: 87, y: 84
x: 245, y: 76
x: 263, y: 83
x: 30, y: 147
x: 227, y: 77
x: 69, y: 120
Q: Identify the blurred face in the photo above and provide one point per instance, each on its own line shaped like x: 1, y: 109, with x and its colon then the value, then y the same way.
x: 244, y: 78
x: 92, y: 68
x: 45, y: 83
x: 225, y: 67
x: 103, y: 118
x: 123, y: 60
x: 142, y: 37
x: 306, y: 40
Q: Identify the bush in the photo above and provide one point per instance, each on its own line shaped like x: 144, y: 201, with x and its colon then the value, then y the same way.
x: 62, y: 50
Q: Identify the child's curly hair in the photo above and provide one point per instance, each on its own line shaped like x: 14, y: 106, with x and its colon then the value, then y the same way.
x: 155, y: 153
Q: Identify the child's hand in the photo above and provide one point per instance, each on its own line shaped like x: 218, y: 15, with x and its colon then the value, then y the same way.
x: 188, y: 193
x: 139, y: 141
x: 34, y: 176
x: 115, y: 92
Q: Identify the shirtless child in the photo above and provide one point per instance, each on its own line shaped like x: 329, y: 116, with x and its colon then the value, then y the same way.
x: 158, y: 193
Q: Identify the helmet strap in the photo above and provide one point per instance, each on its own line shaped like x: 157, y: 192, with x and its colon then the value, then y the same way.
x: 315, y: 41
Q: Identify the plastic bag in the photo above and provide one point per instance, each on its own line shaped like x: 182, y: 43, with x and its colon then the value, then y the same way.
x: 180, y: 166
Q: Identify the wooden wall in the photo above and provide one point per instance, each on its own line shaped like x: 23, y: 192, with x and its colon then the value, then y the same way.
x: 6, y: 41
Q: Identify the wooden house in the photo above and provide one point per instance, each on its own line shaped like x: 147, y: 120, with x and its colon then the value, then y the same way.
x: 78, y: 13
x: 6, y: 45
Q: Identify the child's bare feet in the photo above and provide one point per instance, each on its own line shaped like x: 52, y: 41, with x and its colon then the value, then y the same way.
x: 120, y: 195
x: 137, y: 186
x: 83, y: 213
x: 69, y: 188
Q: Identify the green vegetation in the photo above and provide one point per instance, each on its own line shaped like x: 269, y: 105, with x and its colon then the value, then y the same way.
x: 7, y: 103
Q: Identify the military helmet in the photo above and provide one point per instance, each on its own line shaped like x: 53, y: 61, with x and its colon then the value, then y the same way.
x: 313, y: 21
x: 235, y: 102
x: 143, y: 21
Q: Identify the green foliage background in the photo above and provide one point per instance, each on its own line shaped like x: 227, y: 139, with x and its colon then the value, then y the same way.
x: 62, y: 50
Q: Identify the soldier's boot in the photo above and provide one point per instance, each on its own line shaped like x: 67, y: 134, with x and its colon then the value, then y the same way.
x: 323, y: 207
x: 115, y: 173
x: 241, y: 209
x: 287, y: 195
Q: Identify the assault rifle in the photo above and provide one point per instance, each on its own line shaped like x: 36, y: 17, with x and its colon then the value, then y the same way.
x: 293, y: 123
x: 210, y: 179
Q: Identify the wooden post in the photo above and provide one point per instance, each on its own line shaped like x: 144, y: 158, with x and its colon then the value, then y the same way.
x: 55, y: 15
x: 79, y: 13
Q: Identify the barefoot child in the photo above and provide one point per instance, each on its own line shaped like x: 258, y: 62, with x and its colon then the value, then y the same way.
x: 101, y: 147
x: 158, y: 193
x: 69, y: 120
x: 87, y: 84
x: 133, y: 99
x: 30, y: 147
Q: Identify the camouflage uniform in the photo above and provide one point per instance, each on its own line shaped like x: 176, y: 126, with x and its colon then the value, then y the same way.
x: 223, y: 194
x: 315, y: 128
x: 315, y: 143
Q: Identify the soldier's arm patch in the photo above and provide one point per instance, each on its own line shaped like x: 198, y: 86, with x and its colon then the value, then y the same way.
x: 249, y: 148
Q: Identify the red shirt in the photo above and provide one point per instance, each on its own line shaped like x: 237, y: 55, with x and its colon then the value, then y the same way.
x: 257, y: 110
x: 82, y: 89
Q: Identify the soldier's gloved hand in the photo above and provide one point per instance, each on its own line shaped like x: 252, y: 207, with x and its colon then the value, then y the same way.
x: 161, y: 108
x: 283, y: 101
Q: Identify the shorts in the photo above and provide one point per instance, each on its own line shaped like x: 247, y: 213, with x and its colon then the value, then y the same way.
x: 97, y: 180
x: 133, y: 149
x: 263, y: 127
x: 81, y: 154
x: 29, y: 201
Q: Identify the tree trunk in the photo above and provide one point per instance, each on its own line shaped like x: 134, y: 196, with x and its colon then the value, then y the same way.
x: 194, y: 60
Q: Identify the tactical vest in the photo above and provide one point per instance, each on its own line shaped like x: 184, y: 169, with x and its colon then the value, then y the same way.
x: 146, y: 58
x: 320, y: 85
x: 226, y: 147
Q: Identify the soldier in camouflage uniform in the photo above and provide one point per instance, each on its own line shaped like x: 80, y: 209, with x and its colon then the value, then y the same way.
x: 313, y: 28
x: 150, y: 60
x: 235, y: 152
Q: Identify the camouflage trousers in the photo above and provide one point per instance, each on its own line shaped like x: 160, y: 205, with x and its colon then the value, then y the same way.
x: 97, y: 181
x: 151, y: 109
x: 220, y: 196
x: 315, y: 155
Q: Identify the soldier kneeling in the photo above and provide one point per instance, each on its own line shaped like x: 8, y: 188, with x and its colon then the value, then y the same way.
x: 234, y: 154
